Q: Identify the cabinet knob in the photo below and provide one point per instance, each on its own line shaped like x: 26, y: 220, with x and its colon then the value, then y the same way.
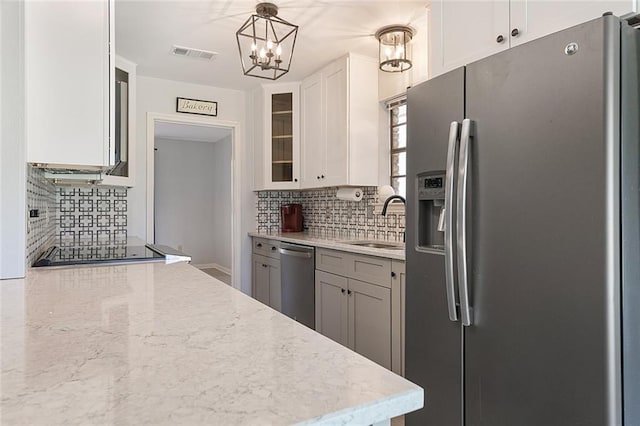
x: 515, y: 32
x: 322, y: 176
x: 264, y: 266
x: 393, y: 274
x: 273, y: 248
x: 342, y: 290
x: 295, y: 180
x: 500, y: 38
x: 349, y: 292
x: 317, y: 177
x: 259, y: 245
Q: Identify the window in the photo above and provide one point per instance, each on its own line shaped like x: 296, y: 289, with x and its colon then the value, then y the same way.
x: 398, y: 138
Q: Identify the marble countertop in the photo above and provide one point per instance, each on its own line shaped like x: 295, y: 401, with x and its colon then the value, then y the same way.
x: 332, y: 243
x: 161, y: 344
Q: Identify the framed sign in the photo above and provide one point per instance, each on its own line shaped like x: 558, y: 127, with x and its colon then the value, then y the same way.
x: 196, y: 106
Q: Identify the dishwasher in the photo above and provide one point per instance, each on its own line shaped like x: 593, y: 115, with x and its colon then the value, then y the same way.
x: 297, y: 274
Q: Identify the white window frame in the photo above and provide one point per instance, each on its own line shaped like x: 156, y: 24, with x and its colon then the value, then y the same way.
x: 395, y: 103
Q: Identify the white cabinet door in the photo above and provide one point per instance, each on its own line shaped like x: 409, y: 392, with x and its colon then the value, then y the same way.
x: 370, y: 321
x: 331, y: 307
x: 312, y: 143
x: 280, y: 143
x: 335, y: 171
x: 464, y: 31
x: 68, y: 69
x: 531, y: 19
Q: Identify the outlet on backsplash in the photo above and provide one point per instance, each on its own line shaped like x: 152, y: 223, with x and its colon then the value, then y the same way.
x: 326, y: 216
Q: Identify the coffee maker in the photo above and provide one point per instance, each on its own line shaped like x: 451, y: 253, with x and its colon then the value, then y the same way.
x: 291, y: 217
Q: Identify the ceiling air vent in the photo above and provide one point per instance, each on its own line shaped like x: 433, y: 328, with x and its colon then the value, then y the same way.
x: 193, y: 53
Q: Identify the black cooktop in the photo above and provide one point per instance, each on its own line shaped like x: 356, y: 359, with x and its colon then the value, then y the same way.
x: 59, y: 256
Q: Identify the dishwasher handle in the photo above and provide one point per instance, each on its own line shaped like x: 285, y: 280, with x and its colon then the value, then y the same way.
x: 296, y: 253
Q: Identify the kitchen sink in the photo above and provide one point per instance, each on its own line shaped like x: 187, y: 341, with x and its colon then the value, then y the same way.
x: 376, y: 244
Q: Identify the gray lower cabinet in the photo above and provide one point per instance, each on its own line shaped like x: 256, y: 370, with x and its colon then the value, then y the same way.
x: 266, y: 281
x: 332, y: 307
x: 369, y: 323
x: 398, y: 291
x: 353, y: 312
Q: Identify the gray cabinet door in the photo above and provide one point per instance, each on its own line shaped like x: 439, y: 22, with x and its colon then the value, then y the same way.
x: 398, y: 288
x: 275, y: 288
x: 261, y: 279
x: 544, y: 266
x: 370, y: 321
x: 331, y: 306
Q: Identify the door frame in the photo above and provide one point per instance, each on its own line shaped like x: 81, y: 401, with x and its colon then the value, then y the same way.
x: 236, y: 243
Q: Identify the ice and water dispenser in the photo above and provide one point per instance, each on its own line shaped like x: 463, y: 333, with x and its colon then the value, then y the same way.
x: 431, y: 210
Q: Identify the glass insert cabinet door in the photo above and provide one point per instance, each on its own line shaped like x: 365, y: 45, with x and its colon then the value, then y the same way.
x: 122, y: 172
x: 281, y: 136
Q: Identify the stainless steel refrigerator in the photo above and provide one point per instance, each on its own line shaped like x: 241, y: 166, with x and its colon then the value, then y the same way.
x: 523, y: 280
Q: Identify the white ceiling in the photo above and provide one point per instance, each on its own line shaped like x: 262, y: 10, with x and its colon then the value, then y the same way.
x: 146, y: 30
x: 190, y: 132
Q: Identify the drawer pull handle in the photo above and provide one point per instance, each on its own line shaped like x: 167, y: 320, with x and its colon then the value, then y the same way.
x: 259, y: 245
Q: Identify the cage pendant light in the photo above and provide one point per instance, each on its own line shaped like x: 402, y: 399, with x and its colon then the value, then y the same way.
x: 395, y: 47
x: 266, y: 43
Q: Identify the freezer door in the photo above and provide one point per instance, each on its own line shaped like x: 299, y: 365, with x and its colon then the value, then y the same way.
x: 433, y: 343
x: 543, y: 348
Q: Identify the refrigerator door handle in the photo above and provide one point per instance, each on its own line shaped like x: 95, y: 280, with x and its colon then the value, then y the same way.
x: 461, y: 225
x: 449, y: 210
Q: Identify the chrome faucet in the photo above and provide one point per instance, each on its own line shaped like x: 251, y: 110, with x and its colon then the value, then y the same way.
x: 388, y: 200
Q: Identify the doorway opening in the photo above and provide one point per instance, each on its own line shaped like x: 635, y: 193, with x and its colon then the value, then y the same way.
x: 190, y: 196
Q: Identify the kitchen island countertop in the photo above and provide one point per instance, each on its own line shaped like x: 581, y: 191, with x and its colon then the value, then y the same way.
x: 167, y: 344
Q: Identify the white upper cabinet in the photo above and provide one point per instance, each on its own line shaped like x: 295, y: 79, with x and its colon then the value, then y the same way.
x: 339, y: 114
x: 461, y: 32
x: 312, y: 129
x: 335, y: 169
x: 531, y: 19
x: 277, y: 148
x: 69, y: 67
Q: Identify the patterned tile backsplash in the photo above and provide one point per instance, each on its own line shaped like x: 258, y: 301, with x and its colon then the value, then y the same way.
x: 73, y: 216
x: 327, y: 216
x: 93, y: 215
x: 41, y: 230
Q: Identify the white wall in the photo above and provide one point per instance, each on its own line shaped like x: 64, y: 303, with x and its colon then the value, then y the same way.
x: 12, y: 142
x: 193, y: 198
x: 159, y: 96
x: 221, y: 215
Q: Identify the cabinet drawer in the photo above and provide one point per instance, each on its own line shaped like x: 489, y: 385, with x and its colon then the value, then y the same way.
x: 265, y: 247
x: 375, y: 270
x: 336, y: 262
x: 371, y: 269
